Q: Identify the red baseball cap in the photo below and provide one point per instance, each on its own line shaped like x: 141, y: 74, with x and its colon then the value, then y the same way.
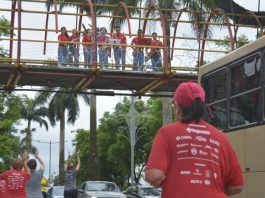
x: 188, y: 91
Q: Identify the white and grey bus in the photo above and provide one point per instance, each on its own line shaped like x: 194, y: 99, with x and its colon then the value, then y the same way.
x: 235, y: 91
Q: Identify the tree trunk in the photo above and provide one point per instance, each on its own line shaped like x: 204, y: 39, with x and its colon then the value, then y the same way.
x: 28, y: 137
x: 93, y: 139
x: 167, y: 108
x: 61, y: 149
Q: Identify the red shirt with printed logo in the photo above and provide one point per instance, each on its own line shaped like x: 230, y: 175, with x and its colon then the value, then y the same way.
x: 3, y: 188
x: 121, y: 37
x: 15, y: 183
x: 197, y: 159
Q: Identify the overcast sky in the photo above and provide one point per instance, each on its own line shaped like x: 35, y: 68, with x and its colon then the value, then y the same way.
x: 103, y: 103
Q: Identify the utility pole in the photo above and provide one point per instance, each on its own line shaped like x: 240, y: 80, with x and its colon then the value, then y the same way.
x: 132, y: 133
x: 50, y: 159
x: 132, y: 137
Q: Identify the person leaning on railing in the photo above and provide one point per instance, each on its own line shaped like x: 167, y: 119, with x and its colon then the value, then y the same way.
x: 87, y: 47
x: 138, y: 52
x: 104, y: 50
x: 155, y: 54
x: 119, y: 51
x: 74, y: 48
x: 63, y: 47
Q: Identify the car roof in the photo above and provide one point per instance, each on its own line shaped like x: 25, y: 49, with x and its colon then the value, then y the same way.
x: 57, y: 186
x: 99, y: 182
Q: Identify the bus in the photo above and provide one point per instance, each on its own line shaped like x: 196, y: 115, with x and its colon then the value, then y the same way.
x: 235, y: 92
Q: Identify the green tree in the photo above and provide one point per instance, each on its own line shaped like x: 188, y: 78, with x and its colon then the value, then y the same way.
x: 9, y: 112
x: 241, y: 41
x: 5, y: 26
x: 4, y: 31
x: 61, y: 101
x: 9, y: 149
x: 31, y: 112
x: 114, y: 148
x: 9, y: 118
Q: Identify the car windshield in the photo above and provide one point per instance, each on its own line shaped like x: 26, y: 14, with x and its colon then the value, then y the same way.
x: 100, y: 186
x: 58, y: 190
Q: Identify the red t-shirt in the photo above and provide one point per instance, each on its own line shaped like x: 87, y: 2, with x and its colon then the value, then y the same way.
x: 63, y: 37
x: 3, y: 189
x: 103, y: 39
x: 156, y: 43
x: 138, y: 41
x: 15, y: 183
x: 87, y: 39
x: 121, y: 37
x: 197, y: 159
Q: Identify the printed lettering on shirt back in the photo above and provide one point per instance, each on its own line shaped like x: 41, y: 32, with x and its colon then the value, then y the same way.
x: 197, y: 145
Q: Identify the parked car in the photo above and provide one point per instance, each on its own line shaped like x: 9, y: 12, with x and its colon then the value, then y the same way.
x: 98, y: 189
x: 56, y: 192
x: 143, y: 192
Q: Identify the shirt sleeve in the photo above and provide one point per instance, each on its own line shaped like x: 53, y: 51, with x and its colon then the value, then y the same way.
x: 159, y: 156
x: 234, y: 175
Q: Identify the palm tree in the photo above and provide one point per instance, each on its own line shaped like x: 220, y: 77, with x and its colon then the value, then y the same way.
x: 30, y: 111
x: 61, y: 101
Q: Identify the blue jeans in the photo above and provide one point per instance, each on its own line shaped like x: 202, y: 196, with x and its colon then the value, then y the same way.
x: 62, y: 54
x: 74, y: 56
x: 120, y: 57
x: 138, y: 60
x: 103, y: 57
x: 156, y: 61
x: 88, y: 55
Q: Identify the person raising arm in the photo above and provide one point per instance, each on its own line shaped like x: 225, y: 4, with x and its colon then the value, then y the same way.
x: 70, y: 173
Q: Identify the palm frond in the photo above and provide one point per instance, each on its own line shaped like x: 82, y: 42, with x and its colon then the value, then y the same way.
x: 42, y: 111
x: 86, y: 98
x: 41, y: 121
x: 44, y: 95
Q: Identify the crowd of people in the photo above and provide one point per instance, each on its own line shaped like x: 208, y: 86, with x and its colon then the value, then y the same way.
x: 68, y: 50
x: 24, y: 180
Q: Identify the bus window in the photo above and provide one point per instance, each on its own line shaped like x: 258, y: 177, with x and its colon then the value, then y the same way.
x: 219, y: 119
x: 215, y: 86
x: 245, y: 76
x: 244, y: 109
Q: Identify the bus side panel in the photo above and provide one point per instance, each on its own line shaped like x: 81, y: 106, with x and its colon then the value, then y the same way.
x: 255, y: 161
x: 255, y: 185
x: 237, y: 140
